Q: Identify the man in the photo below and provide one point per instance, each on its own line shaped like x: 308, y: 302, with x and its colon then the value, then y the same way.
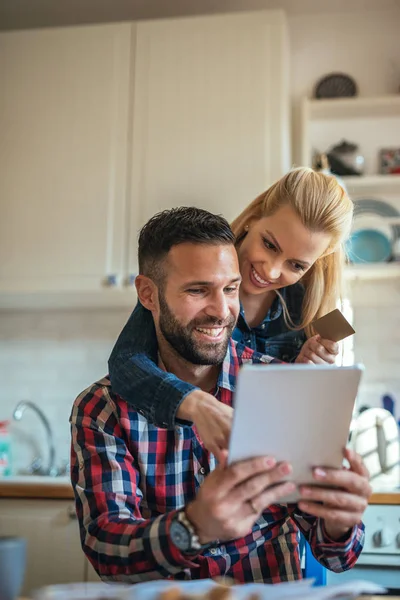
x: 151, y: 502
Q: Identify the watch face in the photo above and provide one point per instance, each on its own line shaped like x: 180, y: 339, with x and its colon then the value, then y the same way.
x: 180, y: 536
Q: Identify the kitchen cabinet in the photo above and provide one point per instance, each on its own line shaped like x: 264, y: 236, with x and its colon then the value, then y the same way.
x: 54, y: 553
x: 104, y: 125
x: 63, y: 145
x: 210, y: 113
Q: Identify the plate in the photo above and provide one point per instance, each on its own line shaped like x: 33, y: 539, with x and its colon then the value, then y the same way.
x: 368, y: 246
x: 372, y: 208
x: 336, y: 85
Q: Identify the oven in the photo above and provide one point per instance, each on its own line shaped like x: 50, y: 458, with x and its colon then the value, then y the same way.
x: 380, y: 559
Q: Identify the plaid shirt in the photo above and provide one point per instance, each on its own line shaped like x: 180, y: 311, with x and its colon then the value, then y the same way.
x: 130, y: 478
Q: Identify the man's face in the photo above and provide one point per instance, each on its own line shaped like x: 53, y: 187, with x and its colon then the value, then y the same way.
x: 199, y: 301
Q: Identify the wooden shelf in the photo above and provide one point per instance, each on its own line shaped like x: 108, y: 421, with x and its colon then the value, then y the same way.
x: 385, y: 497
x: 371, y: 122
x: 372, y: 185
x: 374, y: 106
x: 373, y: 271
x: 383, y: 181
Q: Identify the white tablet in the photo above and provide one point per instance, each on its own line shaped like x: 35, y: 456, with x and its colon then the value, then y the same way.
x: 296, y: 413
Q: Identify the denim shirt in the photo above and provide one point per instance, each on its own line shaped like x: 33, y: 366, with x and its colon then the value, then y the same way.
x: 155, y: 394
x: 273, y: 336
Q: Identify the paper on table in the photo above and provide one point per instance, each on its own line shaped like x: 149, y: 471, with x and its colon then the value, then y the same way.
x: 350, y: 589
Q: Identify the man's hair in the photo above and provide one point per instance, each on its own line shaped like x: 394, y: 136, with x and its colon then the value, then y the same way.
x: 178, y: 226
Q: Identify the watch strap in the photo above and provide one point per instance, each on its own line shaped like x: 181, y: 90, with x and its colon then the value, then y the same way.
x: 195, y: 545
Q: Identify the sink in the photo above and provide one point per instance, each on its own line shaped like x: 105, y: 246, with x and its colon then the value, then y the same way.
x: 35, y: 479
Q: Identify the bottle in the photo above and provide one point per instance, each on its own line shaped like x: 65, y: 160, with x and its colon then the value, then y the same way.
x: 5, y: 449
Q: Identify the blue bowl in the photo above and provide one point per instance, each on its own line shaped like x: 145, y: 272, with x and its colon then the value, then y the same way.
x: 368, y: 246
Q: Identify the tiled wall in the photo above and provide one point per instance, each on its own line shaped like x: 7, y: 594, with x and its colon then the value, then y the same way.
x: 48, y: 358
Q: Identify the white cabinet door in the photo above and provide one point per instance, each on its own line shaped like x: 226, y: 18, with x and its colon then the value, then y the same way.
x: 211, y: 113
x: 51, y: 530
x: 64, y: 104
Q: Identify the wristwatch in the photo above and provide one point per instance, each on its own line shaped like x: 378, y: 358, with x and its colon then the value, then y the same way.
x: 184, y: 536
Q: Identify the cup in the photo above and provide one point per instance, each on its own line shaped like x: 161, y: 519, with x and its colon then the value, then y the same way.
x: 12, y: 566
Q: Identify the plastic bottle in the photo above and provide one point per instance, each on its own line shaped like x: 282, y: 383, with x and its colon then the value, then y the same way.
x: 5, y: 449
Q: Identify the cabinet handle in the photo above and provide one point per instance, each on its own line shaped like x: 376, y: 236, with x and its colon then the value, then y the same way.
x: 131, y: 279
x: 71, y: 512
x: 111, y: 281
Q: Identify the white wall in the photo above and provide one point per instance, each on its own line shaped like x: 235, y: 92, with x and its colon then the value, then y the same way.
x: 363, y: 44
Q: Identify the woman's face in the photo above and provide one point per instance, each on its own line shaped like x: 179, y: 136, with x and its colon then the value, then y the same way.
x: 277, y: 251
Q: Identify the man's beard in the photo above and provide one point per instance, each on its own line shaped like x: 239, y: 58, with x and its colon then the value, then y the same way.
x: 183, y: 341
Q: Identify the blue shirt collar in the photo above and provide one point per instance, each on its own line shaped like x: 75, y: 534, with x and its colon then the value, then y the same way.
x: 275, y: 312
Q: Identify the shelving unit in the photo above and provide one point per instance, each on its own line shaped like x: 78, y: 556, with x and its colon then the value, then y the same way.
x: 373, y: 123
x: 358, y: 107
x: 372, y: 184
x: 373, y: 271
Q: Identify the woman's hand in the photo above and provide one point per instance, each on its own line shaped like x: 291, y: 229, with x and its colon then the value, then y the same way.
x: 317, y: 351
x: 212, y: 418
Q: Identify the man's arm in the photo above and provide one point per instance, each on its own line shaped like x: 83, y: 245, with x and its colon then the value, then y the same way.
x: 335, y: 555
x: 330, y: 515
x: 136, y: 377
x: 337, y: 536
x: 118, y: 541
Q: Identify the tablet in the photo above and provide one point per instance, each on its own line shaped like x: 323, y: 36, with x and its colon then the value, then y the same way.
x: 297, y: 413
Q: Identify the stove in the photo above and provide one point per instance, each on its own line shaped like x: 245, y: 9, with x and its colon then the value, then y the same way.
x: 380, y: 559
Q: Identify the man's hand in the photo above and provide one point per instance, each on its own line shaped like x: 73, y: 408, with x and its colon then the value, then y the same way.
x: 212, y: 418
x: 232, y: 498
x: 343, y: 507
x: 318, y: 351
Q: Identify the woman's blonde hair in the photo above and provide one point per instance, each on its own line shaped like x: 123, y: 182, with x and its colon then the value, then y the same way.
x: 322, y: 206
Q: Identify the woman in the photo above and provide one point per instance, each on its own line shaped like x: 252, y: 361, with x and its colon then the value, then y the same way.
x: 290, y: 249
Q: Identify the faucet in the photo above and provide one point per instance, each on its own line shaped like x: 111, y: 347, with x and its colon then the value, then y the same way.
x: 36, y: 465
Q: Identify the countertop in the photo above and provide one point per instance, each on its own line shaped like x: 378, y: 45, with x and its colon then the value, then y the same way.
x: 385, y: 497
x: 33, y: 486
x: 60, y: 488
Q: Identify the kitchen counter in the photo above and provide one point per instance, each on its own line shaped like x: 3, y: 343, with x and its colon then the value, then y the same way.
x: 33, y: 486
x: 385, y: 497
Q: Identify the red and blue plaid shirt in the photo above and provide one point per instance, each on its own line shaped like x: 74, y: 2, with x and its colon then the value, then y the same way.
x: 130, y: 477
